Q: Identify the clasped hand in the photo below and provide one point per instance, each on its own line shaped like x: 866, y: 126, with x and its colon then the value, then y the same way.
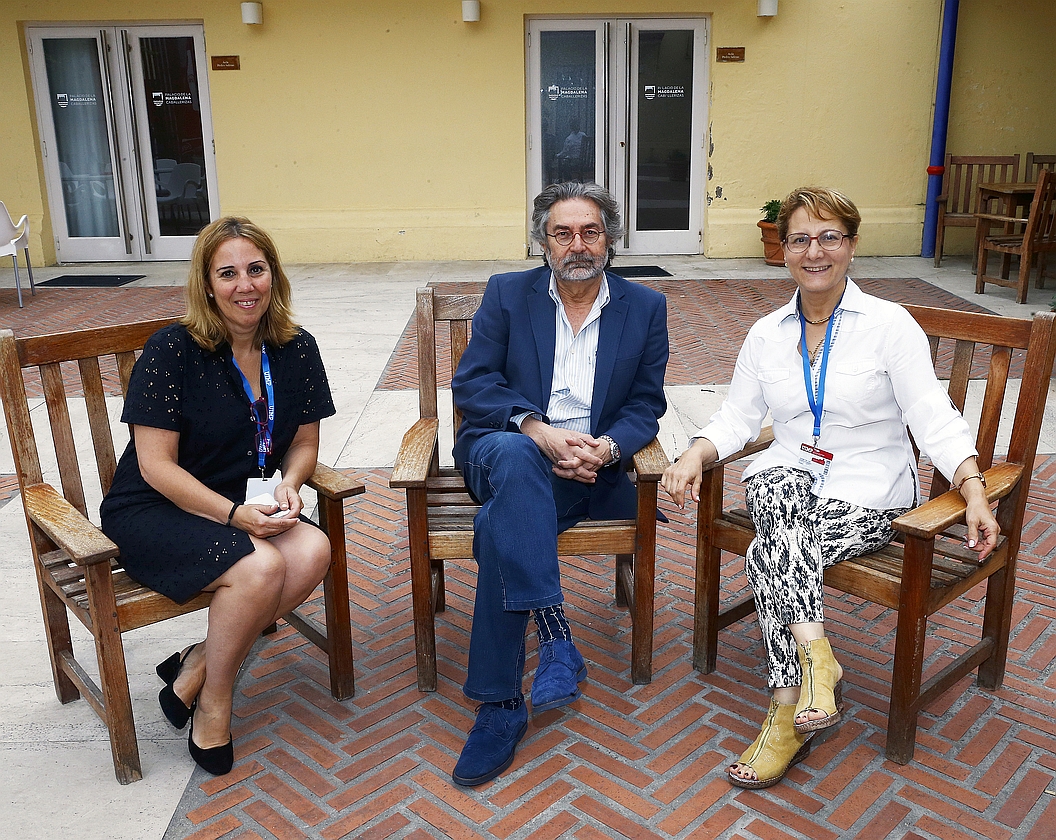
x: 574, y: 455
x: 270, y: 520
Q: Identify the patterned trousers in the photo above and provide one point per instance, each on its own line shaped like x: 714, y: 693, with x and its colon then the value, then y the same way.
x: 797, y: 536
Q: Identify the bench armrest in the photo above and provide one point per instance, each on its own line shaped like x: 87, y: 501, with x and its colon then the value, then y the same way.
x: 765, y: 438
x: 411, y: 468
x: 993, y: 217
x: 650, y: 461
x: 333, y: 484
x: 66, y: 526
x: 935, y: 516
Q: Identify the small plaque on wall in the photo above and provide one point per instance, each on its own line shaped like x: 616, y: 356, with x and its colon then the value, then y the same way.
x: 225, y: 62
x: 727, y: 54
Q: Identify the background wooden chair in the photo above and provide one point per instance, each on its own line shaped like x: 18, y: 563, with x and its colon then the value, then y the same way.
x: 78, y: 569
x: 1032, y: 245
x: 1035, y: 163
x: 960, y: 189
x: 930, y: 567
x: 440, y: 510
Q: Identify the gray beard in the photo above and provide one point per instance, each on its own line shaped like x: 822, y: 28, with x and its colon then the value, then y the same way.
x: 579, y: 269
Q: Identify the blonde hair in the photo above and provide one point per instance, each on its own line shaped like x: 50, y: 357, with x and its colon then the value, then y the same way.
x: 821, y: 203
x: 203, y: 320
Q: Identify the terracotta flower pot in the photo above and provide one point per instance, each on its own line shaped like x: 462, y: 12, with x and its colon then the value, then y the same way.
x: 773, y: 253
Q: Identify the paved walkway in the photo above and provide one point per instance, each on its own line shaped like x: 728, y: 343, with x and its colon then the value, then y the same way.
x: 625, y: 761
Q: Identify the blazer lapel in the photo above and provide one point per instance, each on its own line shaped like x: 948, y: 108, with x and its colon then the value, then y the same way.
x: 613, y: 317
x: 542, y: 313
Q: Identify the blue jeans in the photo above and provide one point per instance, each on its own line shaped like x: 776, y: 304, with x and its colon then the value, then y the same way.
x: 524, y: 506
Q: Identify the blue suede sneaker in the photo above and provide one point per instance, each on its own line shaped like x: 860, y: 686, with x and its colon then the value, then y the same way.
x: 557, y: 678
x: 491, y: 743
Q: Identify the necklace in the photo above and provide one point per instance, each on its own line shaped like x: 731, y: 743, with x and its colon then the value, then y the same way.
x: 819, y: 321
x: 814, y: 352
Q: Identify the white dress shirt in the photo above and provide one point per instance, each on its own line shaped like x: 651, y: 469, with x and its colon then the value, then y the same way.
x: 879, y: 379
x: 575, y: 359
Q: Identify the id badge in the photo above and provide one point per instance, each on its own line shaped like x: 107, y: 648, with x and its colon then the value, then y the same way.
x: 815, y: 460
x: 261, y: 491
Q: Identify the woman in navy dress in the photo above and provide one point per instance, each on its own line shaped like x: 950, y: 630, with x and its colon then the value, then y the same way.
x: 230, y: 395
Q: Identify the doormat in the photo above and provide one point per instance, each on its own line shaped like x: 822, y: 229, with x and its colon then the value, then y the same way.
x: 639, y: 271
x: 91, y: 280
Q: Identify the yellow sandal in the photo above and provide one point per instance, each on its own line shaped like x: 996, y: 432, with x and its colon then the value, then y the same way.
x: 776, y: 749
x: 821, y: 690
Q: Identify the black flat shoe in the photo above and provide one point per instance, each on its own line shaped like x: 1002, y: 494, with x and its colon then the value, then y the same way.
x: 173, y: 709
x: 171, y: 705
x: 169, y: 670
x: 215, y: 760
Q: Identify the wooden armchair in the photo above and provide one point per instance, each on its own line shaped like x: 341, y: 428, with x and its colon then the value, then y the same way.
x: 440, y: 510
x: 78, y: 569
x: 1032, y: 245
x: 928, y: 566
x: 960, y: 189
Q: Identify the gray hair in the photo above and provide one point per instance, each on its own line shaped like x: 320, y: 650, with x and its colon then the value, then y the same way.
x: 610, y: 209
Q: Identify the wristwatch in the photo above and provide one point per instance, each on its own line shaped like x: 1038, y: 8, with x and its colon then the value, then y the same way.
x: 614, y: 449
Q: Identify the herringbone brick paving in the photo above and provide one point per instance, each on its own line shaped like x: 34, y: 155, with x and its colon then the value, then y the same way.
x: 632, y: 761
x: 627, y: 761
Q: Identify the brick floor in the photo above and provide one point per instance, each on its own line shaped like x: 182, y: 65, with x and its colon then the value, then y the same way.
x: 624, y: 761
x: 631, y: 761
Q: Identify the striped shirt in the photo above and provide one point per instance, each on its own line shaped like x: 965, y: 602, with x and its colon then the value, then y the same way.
x: 575, y: 356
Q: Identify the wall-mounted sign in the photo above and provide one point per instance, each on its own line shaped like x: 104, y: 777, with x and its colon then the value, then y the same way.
x: 225, y: 62
x: 729, y: 53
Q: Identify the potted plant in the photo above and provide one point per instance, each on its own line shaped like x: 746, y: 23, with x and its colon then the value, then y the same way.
x: 773, y: 253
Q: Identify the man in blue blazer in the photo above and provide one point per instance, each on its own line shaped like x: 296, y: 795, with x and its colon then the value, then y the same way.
x: 562, y: 382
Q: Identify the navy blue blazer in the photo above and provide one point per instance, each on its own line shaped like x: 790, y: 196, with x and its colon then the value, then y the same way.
x: 508, y: 368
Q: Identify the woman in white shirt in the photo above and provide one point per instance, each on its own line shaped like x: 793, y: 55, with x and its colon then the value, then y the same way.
x: 841, y: 374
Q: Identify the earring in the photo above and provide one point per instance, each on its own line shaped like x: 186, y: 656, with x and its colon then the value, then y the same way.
x: 210, y: 294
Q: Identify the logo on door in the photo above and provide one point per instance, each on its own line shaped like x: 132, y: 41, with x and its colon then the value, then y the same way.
x: 62, y: 100
x: 159, y: 98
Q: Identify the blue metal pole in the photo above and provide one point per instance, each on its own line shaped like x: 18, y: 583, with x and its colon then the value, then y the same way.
x: 937, y: 160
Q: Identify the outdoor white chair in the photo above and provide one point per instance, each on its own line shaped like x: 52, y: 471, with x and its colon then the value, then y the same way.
x: 10, y: 241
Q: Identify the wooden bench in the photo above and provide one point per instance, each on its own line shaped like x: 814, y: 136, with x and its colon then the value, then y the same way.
x: 440, y: 510
x: 78, y: 569
x: 929, y: 567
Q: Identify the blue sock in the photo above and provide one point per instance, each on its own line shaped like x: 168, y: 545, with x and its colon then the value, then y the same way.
x: 551, y: 624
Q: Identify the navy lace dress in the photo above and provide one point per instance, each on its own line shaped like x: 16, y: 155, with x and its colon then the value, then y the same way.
x: 179, y: 386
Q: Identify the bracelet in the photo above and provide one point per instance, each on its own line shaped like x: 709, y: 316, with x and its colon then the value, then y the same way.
x: 231, y: 515
x: 978, y: 475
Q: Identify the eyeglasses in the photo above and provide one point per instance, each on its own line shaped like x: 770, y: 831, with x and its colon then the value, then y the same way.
x: 587, y: 237
x: 829, y: 240
x: 259, y: 411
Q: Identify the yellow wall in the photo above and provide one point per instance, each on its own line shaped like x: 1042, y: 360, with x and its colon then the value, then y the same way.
x: 1003, y: 100
x: 380, y: 131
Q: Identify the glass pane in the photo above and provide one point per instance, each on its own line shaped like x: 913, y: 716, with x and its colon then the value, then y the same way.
x: 567, y: 105
x: 79, y: 114
x: 177, y: 147
x: 665, y: 121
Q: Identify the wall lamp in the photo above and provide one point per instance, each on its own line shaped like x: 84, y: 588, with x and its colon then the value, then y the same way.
x: 470, y: 11
x: 767, y: 8
x: 253, y: 13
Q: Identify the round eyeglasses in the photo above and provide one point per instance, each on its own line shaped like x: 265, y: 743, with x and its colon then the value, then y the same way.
x: 829, y: 240
x: 587, y: 237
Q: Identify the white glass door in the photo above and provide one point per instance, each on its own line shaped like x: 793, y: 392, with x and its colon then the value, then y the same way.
x: 623, y: 103
x: 127, y: 139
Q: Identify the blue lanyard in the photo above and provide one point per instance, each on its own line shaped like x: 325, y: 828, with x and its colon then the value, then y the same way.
x: 816, y: 401
x: 263, y: 443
